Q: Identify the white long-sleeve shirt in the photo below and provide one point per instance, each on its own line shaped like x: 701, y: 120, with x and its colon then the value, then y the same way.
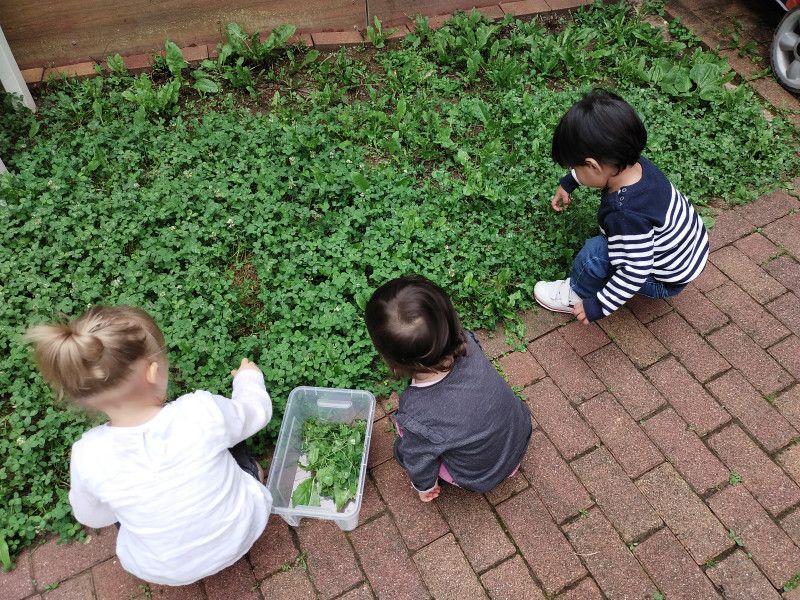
x: 186, y: 509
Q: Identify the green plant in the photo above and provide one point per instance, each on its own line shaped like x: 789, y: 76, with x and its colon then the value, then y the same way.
x: 5, y: 555
x: 333, y: 456
x: 792, y: 583
x: 257, y: 222
x: 734, y: 478
x: 51, y: 586
x: 659, y: 596
x: 377, y: 35
x: 732, y: 534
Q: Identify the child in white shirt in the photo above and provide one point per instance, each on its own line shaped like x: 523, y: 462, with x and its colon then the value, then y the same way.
x: 187, y: 507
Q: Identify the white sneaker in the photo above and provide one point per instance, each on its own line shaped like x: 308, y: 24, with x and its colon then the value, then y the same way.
x: 555, y: 295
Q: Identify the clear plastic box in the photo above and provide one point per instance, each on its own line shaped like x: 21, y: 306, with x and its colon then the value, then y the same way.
x: 327, y: 404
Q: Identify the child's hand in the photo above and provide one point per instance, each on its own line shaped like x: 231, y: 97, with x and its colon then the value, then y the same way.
x: 245, y: 366
x: 579, y: 313
x: 560, y: 200
x: 433, y: 494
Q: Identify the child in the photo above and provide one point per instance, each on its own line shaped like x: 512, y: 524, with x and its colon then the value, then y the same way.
x: 653, y: 242
x: 458, y: 420
x: 163, y: 472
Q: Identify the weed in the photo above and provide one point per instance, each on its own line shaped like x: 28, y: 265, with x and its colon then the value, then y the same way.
x: 659, y: 596
x: 732, y: 534
x: 711, y: 563
x: 388, y: 407
x: 377, y: 35
x: 51, y: 586
x: 734, y: 478
x: 584, y: 513
x: 792, y: 583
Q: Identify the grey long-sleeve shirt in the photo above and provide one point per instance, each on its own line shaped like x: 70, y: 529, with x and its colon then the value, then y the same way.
x: 470, y: 420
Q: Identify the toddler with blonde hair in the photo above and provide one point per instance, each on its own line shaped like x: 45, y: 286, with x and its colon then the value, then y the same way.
x: 175, y: 477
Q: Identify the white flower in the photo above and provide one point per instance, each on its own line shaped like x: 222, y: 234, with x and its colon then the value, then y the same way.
x: 230, y: 222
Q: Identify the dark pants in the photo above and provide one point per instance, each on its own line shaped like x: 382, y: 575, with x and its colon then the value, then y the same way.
x: 592, y: 269
x: 242, y: 457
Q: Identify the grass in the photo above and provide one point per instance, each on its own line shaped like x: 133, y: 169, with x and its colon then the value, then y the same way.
x: 253, y: 204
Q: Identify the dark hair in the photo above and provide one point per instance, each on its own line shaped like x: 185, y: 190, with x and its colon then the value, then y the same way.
x: 601, y: 126
x: 414, y: 326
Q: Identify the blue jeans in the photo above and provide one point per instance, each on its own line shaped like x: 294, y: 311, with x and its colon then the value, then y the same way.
x: 592, y: 269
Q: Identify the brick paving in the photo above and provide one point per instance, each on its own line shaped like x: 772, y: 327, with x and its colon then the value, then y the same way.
x: 665, y: 459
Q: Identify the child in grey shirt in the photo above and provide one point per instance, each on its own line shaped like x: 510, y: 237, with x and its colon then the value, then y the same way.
x: 458, y: 420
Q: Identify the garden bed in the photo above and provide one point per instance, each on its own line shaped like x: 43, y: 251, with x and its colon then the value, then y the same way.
x: 252, y: 206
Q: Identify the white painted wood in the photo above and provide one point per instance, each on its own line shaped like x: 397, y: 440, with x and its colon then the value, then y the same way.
x: 10, y: 75
x: 2, y: 166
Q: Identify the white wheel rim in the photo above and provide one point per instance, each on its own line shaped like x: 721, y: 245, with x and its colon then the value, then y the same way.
x: 786, y: 50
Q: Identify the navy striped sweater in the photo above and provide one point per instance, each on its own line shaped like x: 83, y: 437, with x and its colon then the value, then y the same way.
x: 652, y: 230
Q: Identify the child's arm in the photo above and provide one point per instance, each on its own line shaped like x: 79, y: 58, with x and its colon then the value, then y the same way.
x: 422, y: 462
x: 87, y: 509
x: 566, y: 186
x: 631, y: 251
x: 249, y: 408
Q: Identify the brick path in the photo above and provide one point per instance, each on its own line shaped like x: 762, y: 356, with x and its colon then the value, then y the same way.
x: 663, y: 461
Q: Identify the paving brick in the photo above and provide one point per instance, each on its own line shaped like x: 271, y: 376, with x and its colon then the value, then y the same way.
x: 360, y: 593
x: 542, y: 544
x: 333, y: 40
x: 371, y: 503
x: 791, y: 525
x: 331, y: 561
x: 698, y: 310
x: 438, y: 21
x: 273, y: 549
x: 747, y: 274
x: 493, y: 12
x: 609, y: 561
x: 672, y: 569
x: 585, y: 590
x: 687, y: 397
x: 112, y: 582
x: 524, y: 8
x: 420, y: 522
x: 493, y: 343
x: 474, y: 524
x: 17, y: 584
x: 559, y: 419
x: 195, y: 53
x: 384, y: 559
x: 786, y: 271
x: 755, y: 414
x: 521, y: 368
x: 787, y: 309
x: 758, y: 248
x: 509, y: 486
x: 688, y: 347
x: 77, y: 588
x: 710, y: 278
x: 446, y: 571
x: 192, y: 591
x: 584, y: 338
x: 788, y: 404
x: 288, y: 585
x: 303, y: 39
x: 646, y: 309
x: 511, y: 581
x: 53, y: 562
x: 786, y: 233
x: 538, y: 321
x: 237, y: 582
x: 565, y: 5
x: 744, y: 354
x: 789, y: 459
x: 382, y: 443
x: 621, y: 435
x: 616, y: 495
x: 32, y: 75
x: 633, y: 338
x: 565, y: 367
x: 685, y: 513
x: 136, y: 63
x: 556, y: 484
x: 787, y: 353
x: 729, y: 226
x: 79, y: 70
x: 748, y: 314
x: 739, y: 579
x: 627, y: 384
x: 768, y: 208
x: 701, y: 469
x: 774, y: 553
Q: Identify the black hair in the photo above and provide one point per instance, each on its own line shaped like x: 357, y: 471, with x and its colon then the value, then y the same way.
x: 601, y: 126
x: 414, y: 326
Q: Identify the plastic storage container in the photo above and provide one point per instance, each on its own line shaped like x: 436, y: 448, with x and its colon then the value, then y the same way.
x: 329, y: 405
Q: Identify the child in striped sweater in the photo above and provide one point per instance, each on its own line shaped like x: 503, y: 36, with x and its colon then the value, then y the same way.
x: 653, y: 241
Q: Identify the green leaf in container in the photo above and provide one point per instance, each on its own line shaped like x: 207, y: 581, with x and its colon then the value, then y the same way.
x: 302, y: 495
